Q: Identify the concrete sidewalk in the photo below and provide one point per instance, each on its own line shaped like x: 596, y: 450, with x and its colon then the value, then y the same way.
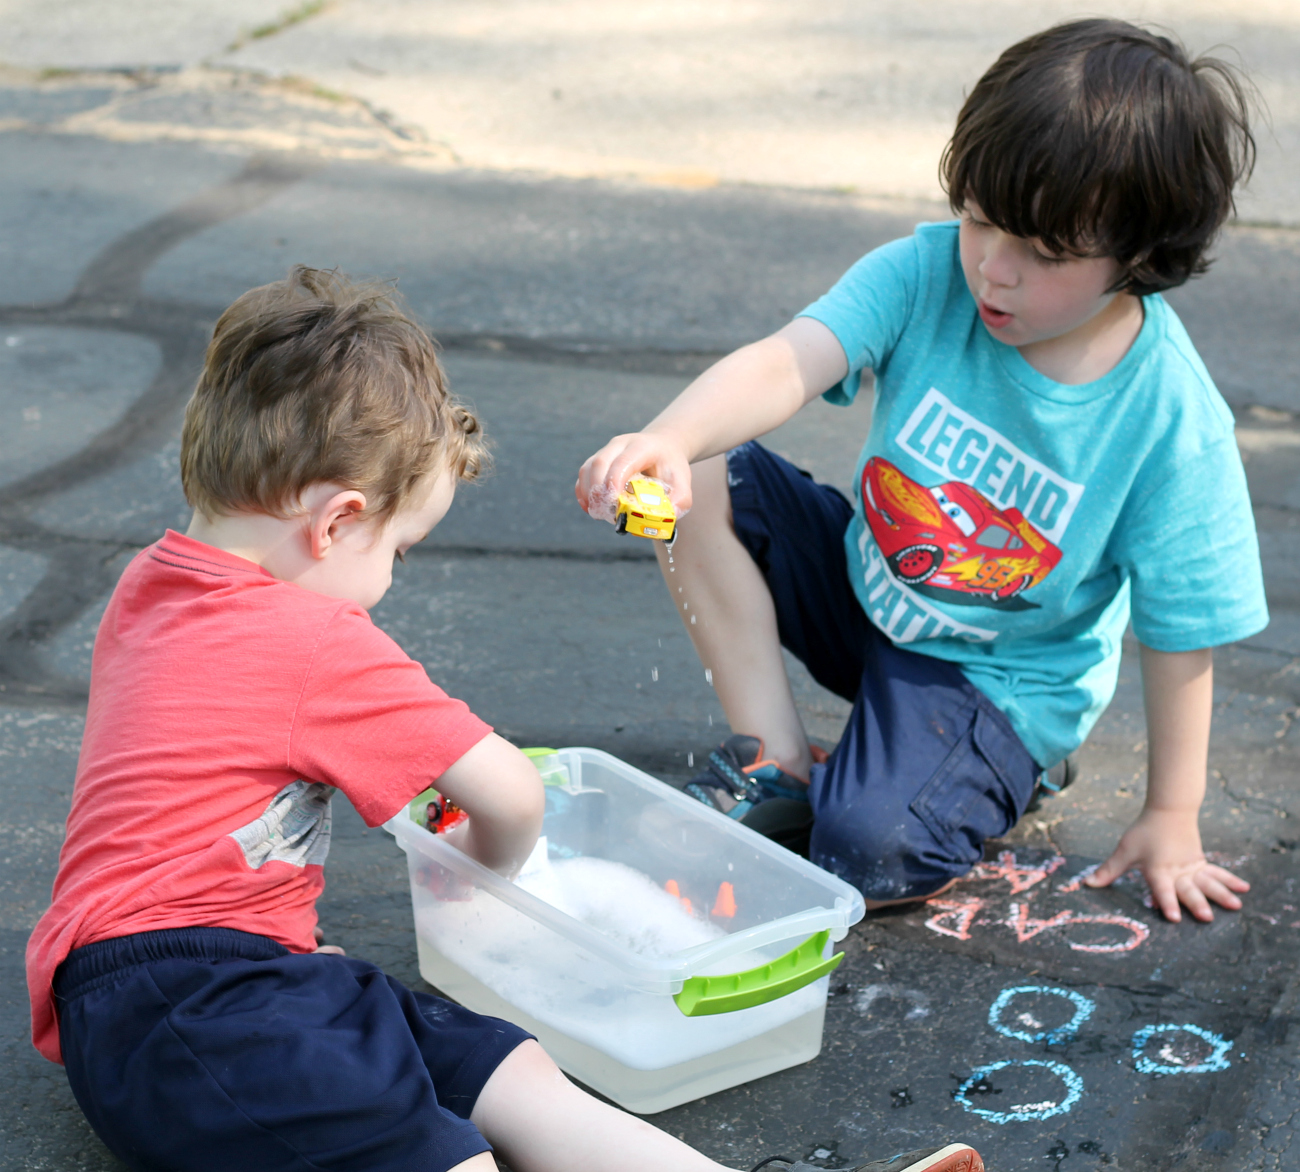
x: 855, y: 95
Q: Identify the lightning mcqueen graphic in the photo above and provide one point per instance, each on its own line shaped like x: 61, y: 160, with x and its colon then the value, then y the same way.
x: 951, y: 543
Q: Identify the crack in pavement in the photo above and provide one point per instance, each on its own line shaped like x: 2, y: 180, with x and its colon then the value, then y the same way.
x: 108, y: 297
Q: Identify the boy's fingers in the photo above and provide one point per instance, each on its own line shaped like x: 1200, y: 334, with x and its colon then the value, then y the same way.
x: 1216, y: 891
x: 634, y: 458
x: 1108, y: 872
x: 1165, y: 897
x: 1194, y: 899
x: 1228, y: 879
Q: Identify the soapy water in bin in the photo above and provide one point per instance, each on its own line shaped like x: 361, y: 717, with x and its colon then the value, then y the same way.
x: 554, y: 980
x: 618, y: 901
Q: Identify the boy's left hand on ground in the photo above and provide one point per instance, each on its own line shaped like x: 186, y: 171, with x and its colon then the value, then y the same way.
x: 1165, y: 846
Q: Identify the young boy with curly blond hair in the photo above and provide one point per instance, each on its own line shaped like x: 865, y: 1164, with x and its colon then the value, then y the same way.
x: 237, y: 683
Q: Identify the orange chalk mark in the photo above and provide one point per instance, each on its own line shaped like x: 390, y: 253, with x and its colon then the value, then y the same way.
x: 686, y: 906
x: 1019, y: 877
x: 1138, y: 933
x: 1027, y: 928
x: 725, y: 904
x: 672, y: 889
x: 955, y: 917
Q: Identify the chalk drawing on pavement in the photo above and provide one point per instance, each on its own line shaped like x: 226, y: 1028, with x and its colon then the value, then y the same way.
x: 955, y: 916
x: 959, y: 916
x: 1019, y: 876
x: 1175, y: 1059
x: 919, y: 1003
x: 1022, y: 1112
x: 1083, y: 1008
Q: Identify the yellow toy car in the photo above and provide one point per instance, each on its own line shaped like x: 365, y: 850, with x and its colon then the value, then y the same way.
x: 645, y: 510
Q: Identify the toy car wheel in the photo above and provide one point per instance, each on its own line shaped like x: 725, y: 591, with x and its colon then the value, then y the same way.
x: 620, y: 523
x: 1022, y: 583
x: 916, y: 563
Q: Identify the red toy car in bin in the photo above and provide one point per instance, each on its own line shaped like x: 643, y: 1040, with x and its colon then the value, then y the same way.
x: 951, y: 542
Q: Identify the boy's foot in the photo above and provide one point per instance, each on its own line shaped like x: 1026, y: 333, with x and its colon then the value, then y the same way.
x: 1052, y: 781
x: 758, y: 793
x: 949, y: 1158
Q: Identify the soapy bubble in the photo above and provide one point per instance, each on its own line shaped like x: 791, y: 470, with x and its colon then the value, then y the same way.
x: 602, y: 503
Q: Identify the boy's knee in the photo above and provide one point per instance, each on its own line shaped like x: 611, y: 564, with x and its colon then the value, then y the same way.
x: 887, y: 855
x: 711, y: 497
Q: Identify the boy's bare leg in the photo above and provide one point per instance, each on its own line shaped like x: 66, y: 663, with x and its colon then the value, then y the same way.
x: 713, y: 579
x: 540, y: 1122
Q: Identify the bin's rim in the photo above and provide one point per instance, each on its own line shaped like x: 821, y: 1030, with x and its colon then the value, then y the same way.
x: 662, y: 974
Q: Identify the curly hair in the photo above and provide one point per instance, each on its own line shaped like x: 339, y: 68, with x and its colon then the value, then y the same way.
x: 319, y: 378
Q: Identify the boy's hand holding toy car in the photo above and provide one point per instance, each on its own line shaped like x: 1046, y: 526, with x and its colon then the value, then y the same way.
x: 643, y: 508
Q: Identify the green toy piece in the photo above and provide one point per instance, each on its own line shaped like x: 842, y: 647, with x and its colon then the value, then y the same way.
x: 725, y: 994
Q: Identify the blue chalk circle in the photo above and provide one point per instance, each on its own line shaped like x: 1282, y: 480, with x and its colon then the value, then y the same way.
x: 1218, y: 1059
x: 1023, y: 1112
x: 1082, y: 1011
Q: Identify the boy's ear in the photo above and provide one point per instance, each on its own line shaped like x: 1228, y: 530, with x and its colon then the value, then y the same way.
x: 324, y: 519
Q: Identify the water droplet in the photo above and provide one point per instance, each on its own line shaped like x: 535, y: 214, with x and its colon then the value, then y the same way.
x: 690, y: 760
x: 708, y: 677
x: 654, y: 674
x: 692, y: 620
x: 710, y: 719
x: 686, y: 606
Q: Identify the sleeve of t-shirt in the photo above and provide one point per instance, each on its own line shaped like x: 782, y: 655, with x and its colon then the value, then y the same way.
x: 1188, y: 541
x: 372, y: 723
x: 867, y: 310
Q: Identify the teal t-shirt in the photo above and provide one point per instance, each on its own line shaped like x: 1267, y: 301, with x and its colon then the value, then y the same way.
x: 1012, y: 524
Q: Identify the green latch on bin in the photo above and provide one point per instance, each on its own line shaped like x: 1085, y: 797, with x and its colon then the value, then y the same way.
x: 725, y: 994
x: 548, y: 765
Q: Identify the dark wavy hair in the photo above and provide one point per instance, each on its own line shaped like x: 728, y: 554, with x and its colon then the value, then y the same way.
x: 1103, y: 139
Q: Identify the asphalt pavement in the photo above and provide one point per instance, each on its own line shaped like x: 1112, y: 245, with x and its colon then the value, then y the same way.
x: 1052, y: 1025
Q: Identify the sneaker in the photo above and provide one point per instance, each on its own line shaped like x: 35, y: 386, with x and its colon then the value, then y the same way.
x: 1052, y: 781
x: 950, y: 1158
x: 758, y: 793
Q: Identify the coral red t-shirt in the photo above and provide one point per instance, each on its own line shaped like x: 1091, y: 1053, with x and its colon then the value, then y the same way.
x: 225, y: 708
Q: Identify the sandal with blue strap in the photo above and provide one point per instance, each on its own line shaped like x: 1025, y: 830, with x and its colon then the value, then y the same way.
x: 740, y: 783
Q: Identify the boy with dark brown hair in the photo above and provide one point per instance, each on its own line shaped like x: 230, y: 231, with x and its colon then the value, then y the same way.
x: 1048, y: 456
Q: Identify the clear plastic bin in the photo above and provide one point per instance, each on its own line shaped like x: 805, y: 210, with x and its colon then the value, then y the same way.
x: 613, y: 1017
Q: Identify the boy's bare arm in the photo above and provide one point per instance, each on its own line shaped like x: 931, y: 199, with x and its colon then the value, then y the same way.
x: 1165, y: 841
x: 746, y: 394
x: 501, y: 791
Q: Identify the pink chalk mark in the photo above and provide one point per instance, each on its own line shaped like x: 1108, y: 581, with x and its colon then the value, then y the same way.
x: 1019, y: 878
x: 1076, y: 882
x: 956, y: 918
x: 1138, y: 933
x: 1027, y: 929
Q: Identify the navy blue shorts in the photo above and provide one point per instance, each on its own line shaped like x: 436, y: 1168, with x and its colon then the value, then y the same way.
x: 928, y: 767
x: 208, y: 1049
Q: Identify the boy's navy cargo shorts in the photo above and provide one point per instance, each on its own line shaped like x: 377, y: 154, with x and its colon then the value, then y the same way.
x: 208, y: 1050
x: 928, y: 767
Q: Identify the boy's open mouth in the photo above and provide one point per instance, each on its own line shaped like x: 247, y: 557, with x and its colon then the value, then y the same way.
x: 995, y: 319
